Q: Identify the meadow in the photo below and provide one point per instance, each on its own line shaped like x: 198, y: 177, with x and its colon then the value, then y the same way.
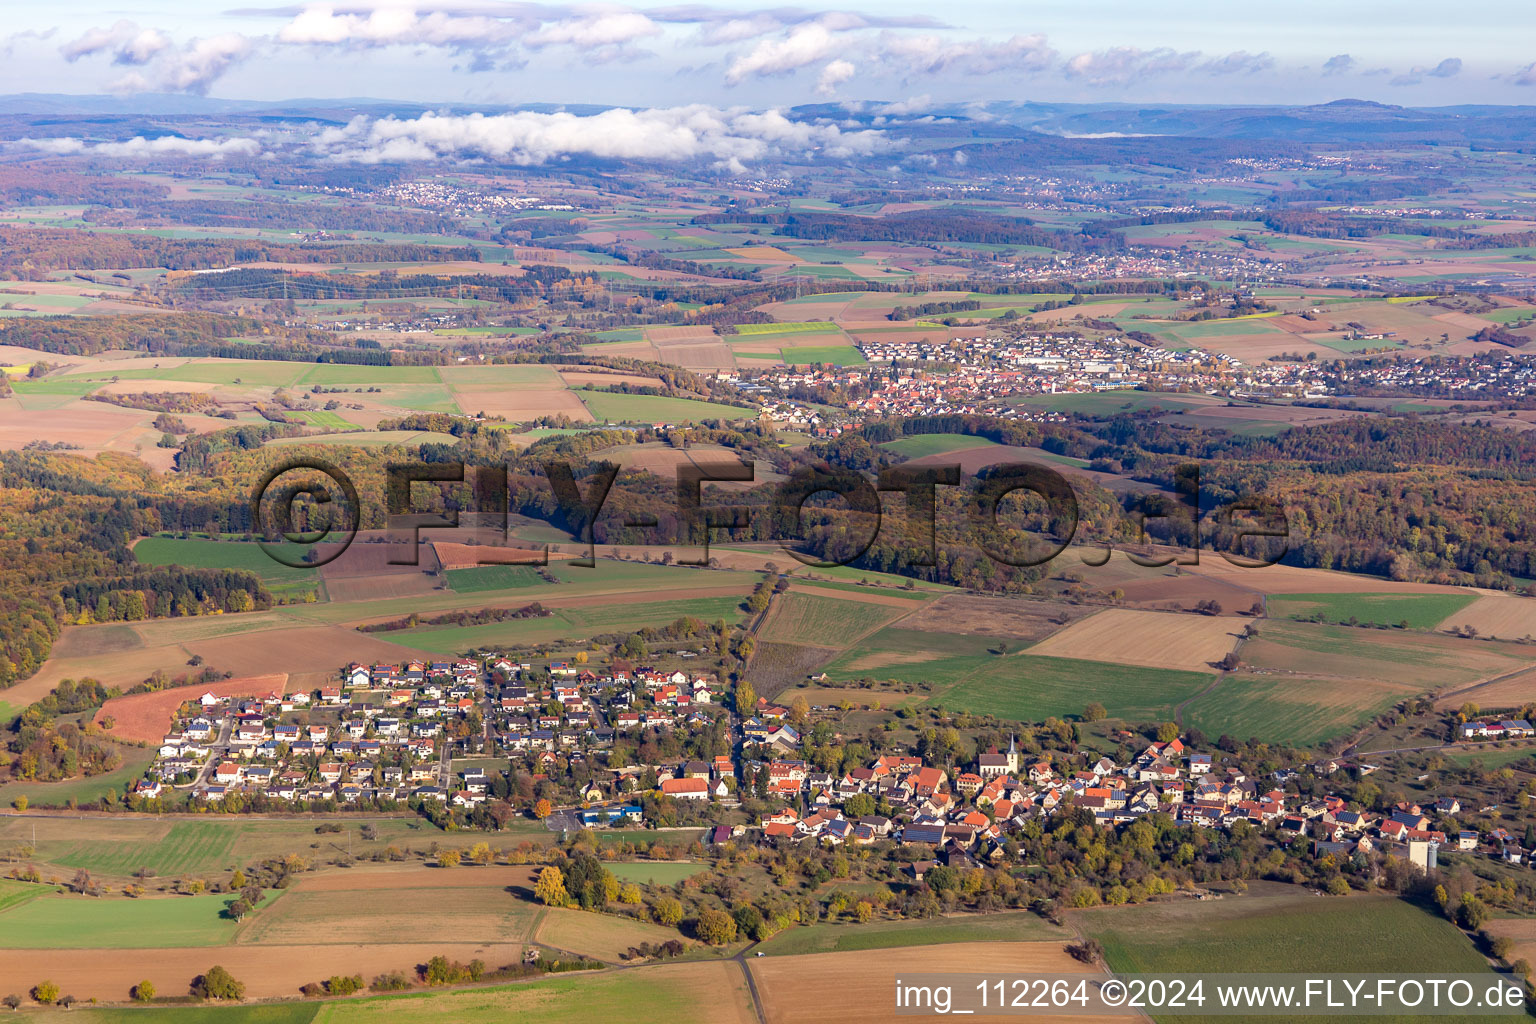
x: 492, y: 577
x: 1418, y: 611
x: 1303, y: 711
x: 805, y: 618
x: 616, y: 407
x: 702, y: 993
x: 831, y: 938
x: 201, y: 553
x: 57, y: 921
x: 623, y: 615
x: 915, y: 446
x: 655, y: 872
x: 1421, y: 660
x: 1282, y: 929
x: 1028, y: 688
x: 199, y: 848
x: 835, y: 355
x: 599, y: 936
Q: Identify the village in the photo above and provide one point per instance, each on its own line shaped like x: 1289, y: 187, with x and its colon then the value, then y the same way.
x: 639, y: 747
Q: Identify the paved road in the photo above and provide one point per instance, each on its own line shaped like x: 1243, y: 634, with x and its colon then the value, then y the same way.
x: 746, y: 969
x: 215, y: 753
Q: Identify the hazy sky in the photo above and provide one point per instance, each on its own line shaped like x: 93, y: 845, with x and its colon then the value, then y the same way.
x: 737, y: 54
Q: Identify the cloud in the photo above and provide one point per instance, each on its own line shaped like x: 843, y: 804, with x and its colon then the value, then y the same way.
x: 1122, y: 65
x: 611, y: 29
x: 930, y: 54
x: 834, y: 74
x: 726, y: 138
x: 1526, y: 75
x: 127, y: 43
x: 1338, y: 65
x: 1448, y: 68
x: 804, y: 45
x: 901, y: 108
x: 1239, y: 62
x: 140, y: 147
x: 8, y: 44
x: 192, y: 67
x: 398, y: 26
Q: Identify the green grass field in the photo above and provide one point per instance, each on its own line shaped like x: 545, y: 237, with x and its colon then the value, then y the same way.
x: 823, y: 621
x: 82, y: 790
x: 211, y: 1013
x: 1028, y: 688
x: 1298, y: 710
x: 801, y: 327
x: 654, y: 872
x: 1492, y: 758
x: 323, y: 419
x: 194, y: 553
x: 915, y: 446
x: 1289, y: 932
x: 832, y: 938
x: 1108, y: 403
x: 14, y: 894
x: 1419, y: 611
x: 172, y: 847
x: 492, y: 577
x: 647, y: 995
x: 263, y: 373
x: 915, y: 656
x: 83, y: 922
x: 615, y: 407
x: 837, y: 355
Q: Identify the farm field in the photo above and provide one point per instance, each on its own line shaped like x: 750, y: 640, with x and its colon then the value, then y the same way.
x: 1126, y: 636
x: 1419, y: 611
x: 59, y: 921
x: 909, y: 655
x: 687, y: 993
x: 1013, y: 926
x: 269, y: 972
x: 835, y: 355
x: 1278, y: 928
x: 591, y: 619
x: 195, y: 553
x: 1422, y: 660
x: 805, y: 618
x: 915, y: 446
x: 116, y: 847
x: 599, y: 936
x: 145, y: 717
x: 614, y: 407
x: 795, y: 988
x: 1502, y: 616
x: 311, y: 916
x: 1028, y: 688
x: 492, y: 578
x: 14, y: 894
x: 1294, y: 709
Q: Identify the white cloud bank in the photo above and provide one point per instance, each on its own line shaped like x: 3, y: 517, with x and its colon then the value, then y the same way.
x: 730, y: 139
x: 141, y: 148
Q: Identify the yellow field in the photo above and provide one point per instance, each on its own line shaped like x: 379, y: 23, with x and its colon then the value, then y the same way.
x: 1125, y: 636
x: 1503, y: 616
x: 765, y: 252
